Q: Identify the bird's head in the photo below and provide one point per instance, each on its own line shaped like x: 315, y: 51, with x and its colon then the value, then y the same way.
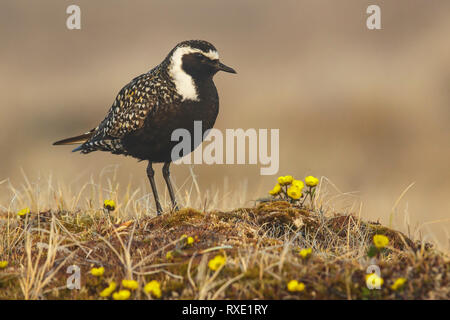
x: 196, y: 58
x: 192, y: 62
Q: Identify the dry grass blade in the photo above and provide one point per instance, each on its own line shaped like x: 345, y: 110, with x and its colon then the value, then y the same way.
x: 261, y: 244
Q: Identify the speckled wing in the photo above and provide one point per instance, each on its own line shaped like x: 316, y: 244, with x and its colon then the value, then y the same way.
x: 128, y: 113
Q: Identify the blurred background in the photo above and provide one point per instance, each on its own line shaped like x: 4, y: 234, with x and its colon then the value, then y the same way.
x: 368, y: 110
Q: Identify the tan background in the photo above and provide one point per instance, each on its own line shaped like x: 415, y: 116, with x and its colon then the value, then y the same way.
x: 367, y: 109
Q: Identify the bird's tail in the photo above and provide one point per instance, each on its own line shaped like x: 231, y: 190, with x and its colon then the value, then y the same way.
x: 75, y: 140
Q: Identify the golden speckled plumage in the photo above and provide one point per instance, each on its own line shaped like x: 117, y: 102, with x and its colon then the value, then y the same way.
x: 142, y: 97
x: 145, y: 113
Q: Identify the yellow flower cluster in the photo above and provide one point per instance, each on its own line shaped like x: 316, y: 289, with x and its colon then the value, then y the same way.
x: 23, y: 212
x: 130, y: 284
x: 121, y: 295
x: 169, y: 255
x: 217, y: 262
x: 109, y: 205
x: 294, y: 191
x: 97, y: 272
x: 295, y: 286
x: 3, y: 264
x: 398, y: 284
x: 293, y: 188
x: 153, y: 288
x: 305, y: 253
x: 380, y: 241
x: 107, y: 291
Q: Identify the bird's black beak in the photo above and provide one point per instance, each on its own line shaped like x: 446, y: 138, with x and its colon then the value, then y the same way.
x: 222, y: 67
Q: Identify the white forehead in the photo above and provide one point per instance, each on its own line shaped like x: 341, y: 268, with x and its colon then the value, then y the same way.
x: 181, y: 51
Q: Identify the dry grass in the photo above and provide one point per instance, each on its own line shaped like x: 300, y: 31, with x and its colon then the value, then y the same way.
x: 260, y: 244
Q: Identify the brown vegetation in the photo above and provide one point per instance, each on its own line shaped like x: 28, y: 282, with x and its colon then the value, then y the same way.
x: 260, y: 243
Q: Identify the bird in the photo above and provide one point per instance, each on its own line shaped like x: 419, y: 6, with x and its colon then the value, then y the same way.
x: 173, y: 95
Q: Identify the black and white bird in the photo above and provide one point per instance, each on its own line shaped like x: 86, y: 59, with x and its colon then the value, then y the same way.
x: 147, y: 110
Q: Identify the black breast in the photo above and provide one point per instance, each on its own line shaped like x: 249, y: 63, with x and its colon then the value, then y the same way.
x: 153, y: 141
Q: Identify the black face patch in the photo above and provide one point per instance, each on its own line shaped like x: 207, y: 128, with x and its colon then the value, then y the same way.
x: 198, y: 65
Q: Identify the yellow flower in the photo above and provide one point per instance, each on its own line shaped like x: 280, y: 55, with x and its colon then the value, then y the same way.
x: 305, y: 253
x: 98, y: 272
x: 107, y: 291
x: 23, y: 212
x: 294, y: 193
x: 276, y: 190
x: 154, y: 288
x: 169, y: 255
x: 190, y: 240
x: 217, y: 262
x: 3, y: 264
x: 398, y: 284
x: 285, y: 180
x: 380, y: 241
x: 311, y: 181
x: 130, y: 284
x: 288, y: 179
x: 121, y: 295
x: 294, y: 286
x: 298, y: 183
x: 109, y: 205
x: 374, y: 279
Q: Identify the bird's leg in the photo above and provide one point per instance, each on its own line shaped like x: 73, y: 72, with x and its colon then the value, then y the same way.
x: 166, y: 175
x: 151, y: 178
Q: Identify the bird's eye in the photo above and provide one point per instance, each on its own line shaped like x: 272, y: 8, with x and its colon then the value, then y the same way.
x: 200, y: 56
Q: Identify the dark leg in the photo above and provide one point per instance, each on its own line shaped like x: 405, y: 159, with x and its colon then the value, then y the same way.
x: 151, y: 178
x: 166, y: 175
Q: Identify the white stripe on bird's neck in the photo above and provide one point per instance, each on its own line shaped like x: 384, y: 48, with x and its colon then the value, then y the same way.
x: 183, y: 82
